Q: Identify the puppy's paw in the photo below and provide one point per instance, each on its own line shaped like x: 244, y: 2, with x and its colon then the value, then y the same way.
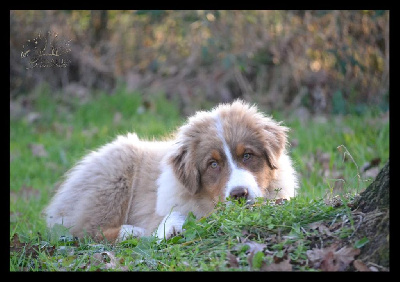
x: 127, y: 231
x: 171, y: 225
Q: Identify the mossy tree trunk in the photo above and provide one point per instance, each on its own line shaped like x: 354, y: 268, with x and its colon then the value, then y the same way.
x: 374, y: 204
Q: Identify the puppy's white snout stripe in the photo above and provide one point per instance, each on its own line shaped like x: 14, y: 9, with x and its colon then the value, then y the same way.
x: 238, y: 177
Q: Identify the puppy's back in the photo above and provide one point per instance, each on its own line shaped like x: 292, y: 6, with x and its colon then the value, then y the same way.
x: 97, y: 191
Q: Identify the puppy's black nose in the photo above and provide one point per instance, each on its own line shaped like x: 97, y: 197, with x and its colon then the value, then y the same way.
x: 239, y: 193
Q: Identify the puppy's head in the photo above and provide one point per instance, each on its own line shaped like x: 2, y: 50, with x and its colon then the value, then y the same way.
x: 233, y: 150
x: 244, y: 122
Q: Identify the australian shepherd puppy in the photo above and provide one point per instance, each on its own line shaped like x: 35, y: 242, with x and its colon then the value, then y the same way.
x: 141, y: 188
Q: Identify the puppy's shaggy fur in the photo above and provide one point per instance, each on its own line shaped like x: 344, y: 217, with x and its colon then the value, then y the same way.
x: 136, y: 187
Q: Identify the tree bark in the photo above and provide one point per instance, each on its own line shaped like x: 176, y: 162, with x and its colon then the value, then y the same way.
x: 98, y: 24
x: 373, y: 204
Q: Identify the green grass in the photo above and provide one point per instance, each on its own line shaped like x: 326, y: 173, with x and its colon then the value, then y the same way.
x: 68, y: 128
x: 365, y: 137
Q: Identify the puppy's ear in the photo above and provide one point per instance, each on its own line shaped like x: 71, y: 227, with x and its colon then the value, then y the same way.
x: 185, y: 169
x: 275, y: 142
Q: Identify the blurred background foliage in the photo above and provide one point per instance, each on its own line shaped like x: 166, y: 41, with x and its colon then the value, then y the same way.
x: 305, y: 62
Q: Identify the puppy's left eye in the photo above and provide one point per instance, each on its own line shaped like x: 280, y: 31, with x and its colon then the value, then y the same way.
x: 246, y: 157
x: 214, y: 165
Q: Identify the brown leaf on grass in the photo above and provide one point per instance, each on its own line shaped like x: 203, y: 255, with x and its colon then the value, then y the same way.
x: 254, y: 248
x: 320, y: 226
x: 345, y: 256
x: 327, y: 259
x: 109, y: 260
x: 280, y: 201
x: 360, y: 266
x: 284, y: 265
x: 97, y: 258
x: 38, y: 150
x: 232, y: 260
x: 29, y: 249
x: 15, y: 243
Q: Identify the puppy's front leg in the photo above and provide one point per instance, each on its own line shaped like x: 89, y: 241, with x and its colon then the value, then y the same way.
x: 171, y: 225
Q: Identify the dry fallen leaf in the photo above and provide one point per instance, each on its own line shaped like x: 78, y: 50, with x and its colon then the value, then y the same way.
x: 232, y: 260
x: 109, y: 260
x: 16, y: 244
x: 329, y: 263
x: 280, y: 201
x: 360, y: 266
x: 345, y: 256
x: 281, y: 266
x: 29, y: 249
x: 320, y: 226
x: 97, y: 259
x: 254, y: 248
x: 327, y: 259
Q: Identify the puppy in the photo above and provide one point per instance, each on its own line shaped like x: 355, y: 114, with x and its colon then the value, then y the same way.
x: 133, y: 187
